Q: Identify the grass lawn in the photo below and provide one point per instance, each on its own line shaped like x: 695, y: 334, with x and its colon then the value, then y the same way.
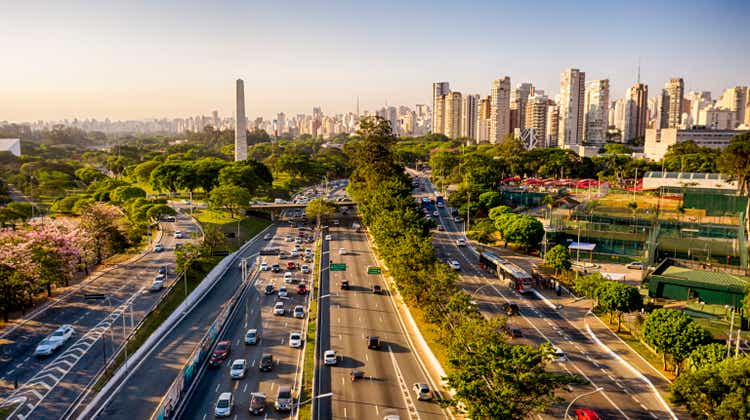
x: 248, y: 226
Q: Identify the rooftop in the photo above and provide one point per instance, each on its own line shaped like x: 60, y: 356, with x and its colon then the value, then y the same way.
x: 707, y: 278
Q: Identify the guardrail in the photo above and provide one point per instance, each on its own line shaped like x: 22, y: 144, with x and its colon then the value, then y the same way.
x: 173, y: 401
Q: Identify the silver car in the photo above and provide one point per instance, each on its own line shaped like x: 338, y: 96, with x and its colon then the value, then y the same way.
x: 238, y: 369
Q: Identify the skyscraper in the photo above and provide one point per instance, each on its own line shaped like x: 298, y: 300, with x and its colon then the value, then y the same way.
x: 735, y: 99
x: 596, y: 111
x: 571, y: 107
x: 636, y: 107
x: 438, y: 117
x: 553, y: 124
x: 469, y: 109
x: 240, y: 124
x: 698, y: 101
x: 500, y: 114
x: 452, y: 115
x: 535, y: 116
x: 483, y: 120
x: 671, y: 103
x: 518, y: 98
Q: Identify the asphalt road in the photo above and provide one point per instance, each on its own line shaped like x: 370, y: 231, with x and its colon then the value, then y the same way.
x: 257, y: 312
x: 624, y: 394
x: 147, y: 383
x: 48, y: 386
x: 355, y: 314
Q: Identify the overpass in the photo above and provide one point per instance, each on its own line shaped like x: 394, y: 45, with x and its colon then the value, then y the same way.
x: 276, y: 208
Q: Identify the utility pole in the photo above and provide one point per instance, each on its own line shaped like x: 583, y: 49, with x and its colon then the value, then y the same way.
x: 729, y: 340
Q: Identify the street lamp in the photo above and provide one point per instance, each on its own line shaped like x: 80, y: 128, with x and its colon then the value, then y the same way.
x: 482, y: 287
x: 565, y: 417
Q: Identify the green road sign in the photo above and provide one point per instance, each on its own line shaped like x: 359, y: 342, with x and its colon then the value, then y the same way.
x: 337, y: 267
x: 374, y: 270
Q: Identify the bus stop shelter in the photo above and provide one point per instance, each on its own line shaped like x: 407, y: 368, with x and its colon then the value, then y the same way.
x: 583, y: 246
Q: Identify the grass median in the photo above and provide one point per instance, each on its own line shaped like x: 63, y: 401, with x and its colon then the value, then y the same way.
x: 308, y: 359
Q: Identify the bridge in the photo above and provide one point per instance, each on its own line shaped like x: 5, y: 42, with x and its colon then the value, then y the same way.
x: 276, y: 208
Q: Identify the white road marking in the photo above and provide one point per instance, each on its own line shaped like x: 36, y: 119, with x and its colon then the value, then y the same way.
x: 245, y: 388
x: 217, y: 387
x: 344, y: 411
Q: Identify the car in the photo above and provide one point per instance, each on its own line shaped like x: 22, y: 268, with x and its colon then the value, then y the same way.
x: 264, y: 266
x: 373, y: 342
x: 329, y: 238
x: 288, y: 238
x: 454, y: 265
x: 342, y: 251
x: 305, y: 269
x: 257, y: 403
x: 221, y: 352
x: 510, y: 309
x: 170, y: 219
x: 376, y: 289
x: 299, y: 311
x: 266, y: 362
x: 46, y: 347
x: 298, y: 240
x: 224, y: 405
x: 635, y: 265
x: 283, y: 292
x: 276, y: 268
x: 293, y: 254
x: 513, y: 332
x: 158, y: 248
x: 461, y: 242
x: 587, y: 414
x: 269, y: 290
x: 330, y: 358
x: 302, y: 289
x: 295, y: 339
x: 267, y: 236
x: 335, y: 222
x: 457, y: 219
x: 252, y: 336
x: 163, y: 270
x: 157, y: 284
x: 178, y: 234
x: 291, y: 265
x: 288, y: 277
x: 422, y: 391
x: 308, y: 258
x: 238, y: 369
x: 278, y: 308
x: 345, y: 285
x: 441, y: 228
x: 558, y: 356
x: 283, y: 398
x: 308, y: 252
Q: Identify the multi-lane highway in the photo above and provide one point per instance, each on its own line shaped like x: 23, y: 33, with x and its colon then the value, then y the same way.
x: 256, y: 311
x: 624, y: 393
x: 48, y: 386
x: 348, y: 318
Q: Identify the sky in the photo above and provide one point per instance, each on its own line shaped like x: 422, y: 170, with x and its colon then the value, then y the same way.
x: 143, y: 59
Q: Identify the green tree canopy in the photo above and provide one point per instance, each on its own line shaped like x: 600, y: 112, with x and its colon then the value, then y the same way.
x: 489, y: 200
x: 558, y: 258
x: 672, y: 332
x: 707, y: 355
x: 496, y: 212
x: 229, y: 197
x: 617, y: 298
x: 715, y: 392
x: 125, y: 193
x: 319, y: 208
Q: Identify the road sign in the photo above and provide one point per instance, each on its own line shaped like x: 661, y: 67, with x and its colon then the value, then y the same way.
x: 337, y: 267
x: 374, y: 270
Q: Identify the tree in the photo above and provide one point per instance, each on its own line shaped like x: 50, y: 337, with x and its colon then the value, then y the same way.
x: 207, y: 171
x: 157, y: 211
x: 617, y: 298
x: 167, y: 176
x: 489, y: 200
x: 525, y: 231
x: 142, y: 172
x: 98, y: 226
x: 126, y: 193
x: 558, y: 258
x: 672, y: 332
x: 248, y: 174
x: 229, y: 197
x: 496, y: 212
x: 318, y: 208
x: 716, y: 391
x: 734, y: 163
x: 88, y: 174
x: 213, y: 238
x: 587, y: 285
x: 707, y: 355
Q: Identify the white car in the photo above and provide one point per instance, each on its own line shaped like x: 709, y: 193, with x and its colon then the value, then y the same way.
x: 252, y: 336
x: 288, y: 277
x: 305, y: 269
x: 293, y: 254
x: 264, y: 266
x: 178, y: 234
x: 460, y: 242
x: 457, y: 219
x: 342, y: 251
x: 288, y: 238
x: 423, y: 392
x: 158, y: 248
x: 157, y: 284
x: 454, y: 265
x: 268, y: 237
x: 283, y: 292
x: 558, y: 356
x: 54, y: 341
x: 299, y: 311
x: 295, y: 340
x: 224, y: 405
x: 238, y: 369
x: 635, y: 265
x: 330, y: 358
x: 278, y: 308
x: 329, y: 238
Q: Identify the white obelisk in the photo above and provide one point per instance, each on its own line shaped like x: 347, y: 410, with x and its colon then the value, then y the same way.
x: 240, y: 125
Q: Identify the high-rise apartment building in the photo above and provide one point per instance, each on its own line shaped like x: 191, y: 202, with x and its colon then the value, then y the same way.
x: 571, y: 107
x: 469, y: 110
x: 553, y: 124
x: 596, y: 111
x: 518, y: 98
x: 735, y: 99
x: 439, y: 89
x: 500, y: 114
x: 452, y: 115
x: 698, y: 101
x: 636, y: 109
x: 671, y: 103
x: 484, y: 117
x: 535, y: 116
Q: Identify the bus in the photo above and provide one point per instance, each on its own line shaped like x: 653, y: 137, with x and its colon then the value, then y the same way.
x: 522, y: 281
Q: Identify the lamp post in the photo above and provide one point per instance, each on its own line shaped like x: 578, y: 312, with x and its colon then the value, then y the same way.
x: 565, y: 417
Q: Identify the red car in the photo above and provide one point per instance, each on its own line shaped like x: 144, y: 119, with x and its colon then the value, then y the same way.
x: 221, y: 352
x: 586, y: 414
x: 302, y: 289
x: 291, y: 265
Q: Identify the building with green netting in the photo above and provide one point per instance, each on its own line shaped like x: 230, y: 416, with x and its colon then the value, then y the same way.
x: 676, y: 281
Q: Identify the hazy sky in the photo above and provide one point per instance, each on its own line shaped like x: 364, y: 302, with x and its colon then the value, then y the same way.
x: 138, y: 59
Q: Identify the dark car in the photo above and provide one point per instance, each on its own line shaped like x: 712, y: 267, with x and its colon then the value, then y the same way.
x: 163, y: 270
x: 344, y: 284
x: 373, y: 342
x: 269, y: 289
x: 510, y: 308
x: 513, y: 332
x: 221, y: 352
x: 302, y: 289
x: 276, y: 268
x: 376, y: 289
x: 257, y: 403
x: 266, y: 362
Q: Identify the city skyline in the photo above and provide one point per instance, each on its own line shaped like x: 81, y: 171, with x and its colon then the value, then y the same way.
x: 91, y: 60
